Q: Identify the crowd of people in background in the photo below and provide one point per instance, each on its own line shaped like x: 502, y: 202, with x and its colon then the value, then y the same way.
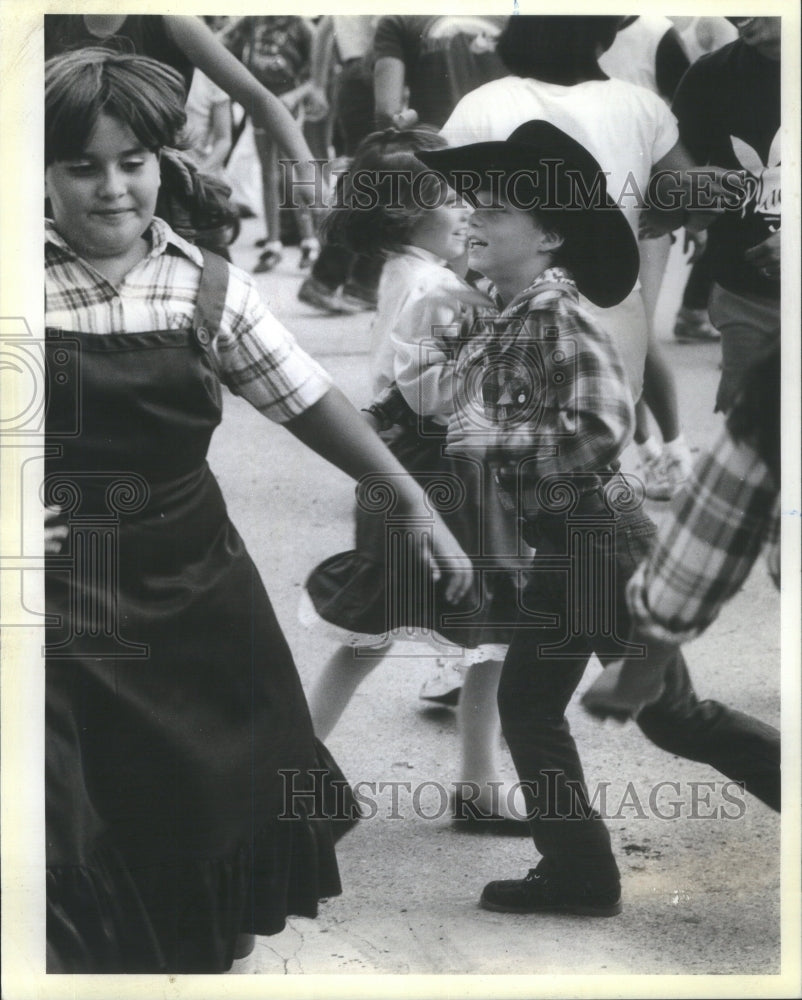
x: 162, y: 134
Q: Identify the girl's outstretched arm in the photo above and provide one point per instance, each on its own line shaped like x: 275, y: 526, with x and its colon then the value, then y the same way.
x: 334, y: 429
x: 200, y: 45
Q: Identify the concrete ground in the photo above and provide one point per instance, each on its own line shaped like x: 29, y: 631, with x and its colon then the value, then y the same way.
x: 701, y: 874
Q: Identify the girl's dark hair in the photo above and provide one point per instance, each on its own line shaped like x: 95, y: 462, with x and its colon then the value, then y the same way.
x: 755, y: 415
x: 146, y: 95
x: 556, y: 49
x: 385, y: 192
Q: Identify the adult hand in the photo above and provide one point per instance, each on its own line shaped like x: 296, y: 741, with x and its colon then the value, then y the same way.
x: 316, y: 105
x: 766, y: 256
x: 695, y: 242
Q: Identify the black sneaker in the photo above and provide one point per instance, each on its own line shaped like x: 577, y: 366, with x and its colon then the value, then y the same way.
x: 539, y: 893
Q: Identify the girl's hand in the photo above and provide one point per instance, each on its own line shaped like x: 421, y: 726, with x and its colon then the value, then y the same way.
x: 450, y: 559
x: 310, y: 186
x: 55, y: 534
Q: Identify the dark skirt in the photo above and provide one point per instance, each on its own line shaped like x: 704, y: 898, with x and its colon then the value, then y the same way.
x: 379, y: 591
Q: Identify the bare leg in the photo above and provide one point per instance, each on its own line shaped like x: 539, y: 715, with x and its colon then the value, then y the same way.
x: 659, y: 388
x: 337, y: 683
x: 480, y: 729
x: 660, y: 391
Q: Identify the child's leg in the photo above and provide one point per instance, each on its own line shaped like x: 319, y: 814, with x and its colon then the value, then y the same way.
x: 480, y: 729
x: 345, y: 670
x: 268, y: 158
x: 310, y: 245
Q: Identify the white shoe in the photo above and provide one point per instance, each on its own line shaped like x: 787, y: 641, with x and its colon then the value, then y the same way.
x: 444, y: 687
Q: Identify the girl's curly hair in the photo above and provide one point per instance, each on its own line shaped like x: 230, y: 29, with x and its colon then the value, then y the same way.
x: 385, y: 191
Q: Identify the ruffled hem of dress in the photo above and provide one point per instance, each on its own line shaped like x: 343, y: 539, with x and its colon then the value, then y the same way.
x: 185, y: 915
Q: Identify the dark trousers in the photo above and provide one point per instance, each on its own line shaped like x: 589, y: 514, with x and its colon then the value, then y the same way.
x: 698, y: 285
x: 354, y: 107
x: 585, y: 612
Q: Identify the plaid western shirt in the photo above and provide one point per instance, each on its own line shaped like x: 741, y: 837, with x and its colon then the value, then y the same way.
x: 542, y: 390
x: 255, y: 356
x: 727, y: 511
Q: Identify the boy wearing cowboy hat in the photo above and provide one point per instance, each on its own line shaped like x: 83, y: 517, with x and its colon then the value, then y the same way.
x: 542, y: 401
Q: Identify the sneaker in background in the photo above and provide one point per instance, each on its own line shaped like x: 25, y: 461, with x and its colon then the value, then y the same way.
x: 443, y: 687
x: 310, y: 251
x: 331, y: 300
x: 269, y: 258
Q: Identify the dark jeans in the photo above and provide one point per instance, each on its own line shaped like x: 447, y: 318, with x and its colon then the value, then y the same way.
x: 698, y: 285
x: 545, y: 663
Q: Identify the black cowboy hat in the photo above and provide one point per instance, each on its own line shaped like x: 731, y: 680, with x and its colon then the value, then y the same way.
x: 555, y: 175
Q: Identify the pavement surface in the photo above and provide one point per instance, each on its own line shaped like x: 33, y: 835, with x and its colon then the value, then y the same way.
x: 701, y: 874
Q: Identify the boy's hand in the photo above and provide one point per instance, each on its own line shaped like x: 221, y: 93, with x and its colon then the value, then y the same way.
x: 627, y: 686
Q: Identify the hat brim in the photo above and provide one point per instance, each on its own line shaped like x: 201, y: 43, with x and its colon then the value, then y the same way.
x: 601, y: 250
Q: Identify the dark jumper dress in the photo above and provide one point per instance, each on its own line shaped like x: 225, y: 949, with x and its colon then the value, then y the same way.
x: 172, y: 700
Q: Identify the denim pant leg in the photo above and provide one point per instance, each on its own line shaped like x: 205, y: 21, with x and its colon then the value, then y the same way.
x: 735, y: 744
x: 556, y: 634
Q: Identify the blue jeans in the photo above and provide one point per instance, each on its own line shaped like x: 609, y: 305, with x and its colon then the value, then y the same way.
x: 586, y: 613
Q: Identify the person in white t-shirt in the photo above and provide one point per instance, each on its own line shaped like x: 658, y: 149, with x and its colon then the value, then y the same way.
x: 648, y: 51
x: 556, y: 77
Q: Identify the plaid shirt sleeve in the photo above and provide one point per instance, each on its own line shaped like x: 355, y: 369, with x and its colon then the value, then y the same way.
x: 726, y: 512
x: 260, y: 360
x: 554, y: 396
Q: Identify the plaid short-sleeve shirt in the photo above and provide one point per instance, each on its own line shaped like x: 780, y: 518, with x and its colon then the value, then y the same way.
x: 256, y: 357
